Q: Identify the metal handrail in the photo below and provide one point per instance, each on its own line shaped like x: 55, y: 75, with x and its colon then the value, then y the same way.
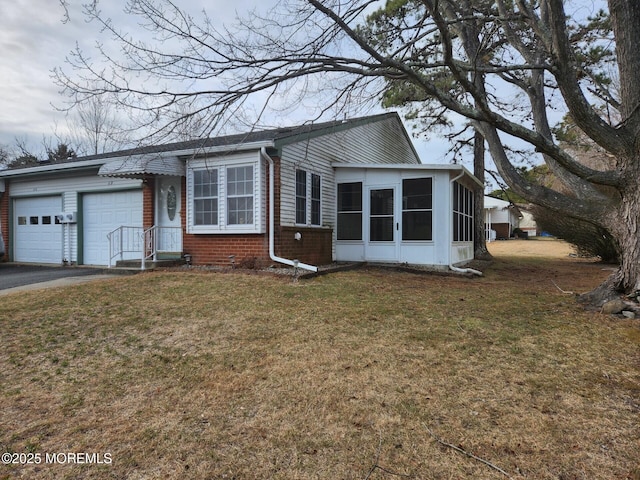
x: 124, y: 239
x: 150, y: 248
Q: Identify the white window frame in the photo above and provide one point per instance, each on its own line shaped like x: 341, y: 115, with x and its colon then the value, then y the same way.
x: 222, y: 165
x: 308, y: 198
x: 215, y: 197
x: 236, y: 195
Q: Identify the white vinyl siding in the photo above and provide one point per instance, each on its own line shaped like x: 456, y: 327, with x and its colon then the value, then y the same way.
x: 69, y: 186
x: 377, y: 142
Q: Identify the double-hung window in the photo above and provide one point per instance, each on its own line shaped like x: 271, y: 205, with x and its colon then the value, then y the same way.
x: 315, y: 199
x: 240, y: 195
x: 205, y: 197
x: 301, y: 197
x: 308, y: 198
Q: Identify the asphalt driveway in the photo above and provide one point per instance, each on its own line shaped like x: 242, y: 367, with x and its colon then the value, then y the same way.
x: 12, y: 276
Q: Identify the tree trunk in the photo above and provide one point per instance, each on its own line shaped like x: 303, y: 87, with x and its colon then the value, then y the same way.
x: 624, y: 225
x: 479, y: 237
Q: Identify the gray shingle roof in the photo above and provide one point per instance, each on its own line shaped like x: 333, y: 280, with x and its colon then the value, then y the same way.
x: 277, y: 135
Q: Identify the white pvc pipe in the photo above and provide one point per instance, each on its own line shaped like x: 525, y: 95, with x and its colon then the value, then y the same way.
x: 274, y: 257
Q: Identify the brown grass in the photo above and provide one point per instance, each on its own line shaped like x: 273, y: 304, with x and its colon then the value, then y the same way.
x: 203, y: 375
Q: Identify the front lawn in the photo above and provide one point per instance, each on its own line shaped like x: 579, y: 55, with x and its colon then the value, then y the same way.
x: 364, y: 374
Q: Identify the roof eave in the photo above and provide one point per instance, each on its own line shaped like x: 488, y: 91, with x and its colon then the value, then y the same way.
x: 98, y: 162
x: 411, y: 166
x: 51, y: 168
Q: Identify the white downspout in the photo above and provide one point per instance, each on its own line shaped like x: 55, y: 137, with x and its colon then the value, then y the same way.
x: 274, y: 257
x: 451, y: 266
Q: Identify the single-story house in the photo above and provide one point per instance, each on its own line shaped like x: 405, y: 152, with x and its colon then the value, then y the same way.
x: 351, y: 190
x: 500, y: 218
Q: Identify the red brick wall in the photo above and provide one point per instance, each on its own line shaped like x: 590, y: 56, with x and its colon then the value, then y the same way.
x: 313, y: 248
x: 148, y: 202
x: 4, y: 219
x: 250, y: 251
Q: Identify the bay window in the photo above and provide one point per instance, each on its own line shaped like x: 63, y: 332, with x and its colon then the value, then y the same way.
x: 224, y: 198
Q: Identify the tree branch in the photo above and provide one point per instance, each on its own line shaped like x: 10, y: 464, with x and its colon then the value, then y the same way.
x: 464, y: 452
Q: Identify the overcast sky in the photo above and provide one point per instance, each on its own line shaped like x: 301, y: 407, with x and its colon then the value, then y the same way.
x: 34, y: 40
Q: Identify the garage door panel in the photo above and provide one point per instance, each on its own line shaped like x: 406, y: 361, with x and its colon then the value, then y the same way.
x: 103, y: 213
x: 38, y: 238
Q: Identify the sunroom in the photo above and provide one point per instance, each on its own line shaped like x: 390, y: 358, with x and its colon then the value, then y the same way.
x: 413, y: 214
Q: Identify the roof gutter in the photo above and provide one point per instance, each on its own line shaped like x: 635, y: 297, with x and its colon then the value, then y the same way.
x: 274, y: 257
x: 451, y: 266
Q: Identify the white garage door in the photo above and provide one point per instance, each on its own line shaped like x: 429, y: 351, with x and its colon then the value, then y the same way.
x: 38, y: 239
x: 103, y: 213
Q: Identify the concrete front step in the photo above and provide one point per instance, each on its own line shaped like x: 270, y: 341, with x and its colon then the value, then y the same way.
x: 149, y: 264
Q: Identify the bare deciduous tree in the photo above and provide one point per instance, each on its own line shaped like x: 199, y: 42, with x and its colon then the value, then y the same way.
x: 94, y: 128
x: 503, y: 65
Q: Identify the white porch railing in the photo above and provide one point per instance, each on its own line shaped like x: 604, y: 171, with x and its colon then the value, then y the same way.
x: 132, y: 243
x: 159, y: 240
x: 124, y: 240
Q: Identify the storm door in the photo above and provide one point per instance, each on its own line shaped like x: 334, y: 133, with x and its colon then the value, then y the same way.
x: 383, y: 236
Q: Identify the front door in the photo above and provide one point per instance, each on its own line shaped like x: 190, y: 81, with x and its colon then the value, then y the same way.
x: 383, y: 229
x: 169, y: 215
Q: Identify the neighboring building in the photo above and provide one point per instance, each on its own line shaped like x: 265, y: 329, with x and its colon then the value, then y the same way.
x: 349, y: 190
x: 500, y: 218
x: 528, y: 223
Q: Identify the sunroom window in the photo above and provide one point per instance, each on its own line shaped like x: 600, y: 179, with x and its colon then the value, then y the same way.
x: 349, y: 211
x: 417, y: 209
x: 462, y: 213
